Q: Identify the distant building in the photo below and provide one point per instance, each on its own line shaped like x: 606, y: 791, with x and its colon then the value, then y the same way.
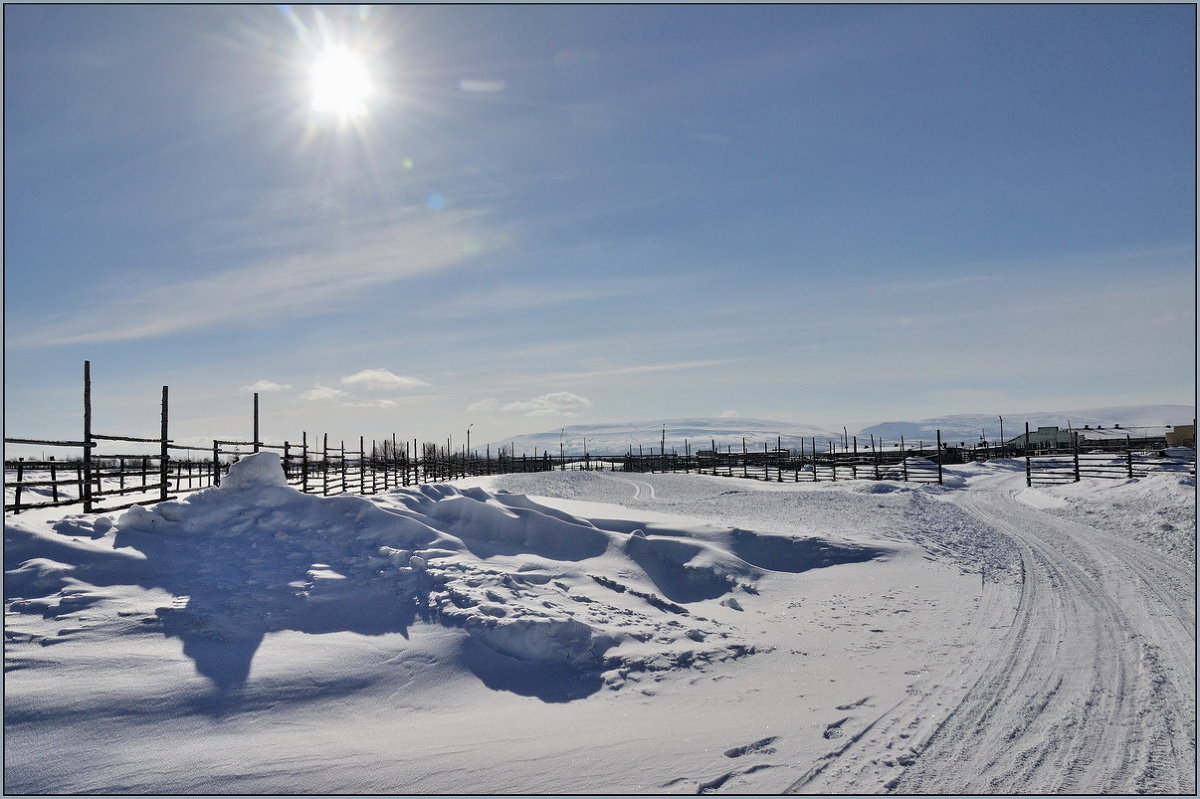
x: 1098, y: 437
x: 1182, y: 435
x: 1042, y: 438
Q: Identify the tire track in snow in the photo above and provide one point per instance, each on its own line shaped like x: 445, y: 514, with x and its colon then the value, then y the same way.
x: 1094, y: 689
x: 638, y: 485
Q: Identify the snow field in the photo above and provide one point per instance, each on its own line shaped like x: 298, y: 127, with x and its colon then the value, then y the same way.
x: 593, y: 632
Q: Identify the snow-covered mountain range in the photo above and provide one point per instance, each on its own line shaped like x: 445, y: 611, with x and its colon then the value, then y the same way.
x: 700, y: 433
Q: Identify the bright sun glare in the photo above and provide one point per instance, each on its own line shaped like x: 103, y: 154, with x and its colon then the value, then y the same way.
x: 341, y: 83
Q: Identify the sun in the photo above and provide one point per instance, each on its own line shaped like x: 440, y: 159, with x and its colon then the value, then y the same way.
x: 341, y: 83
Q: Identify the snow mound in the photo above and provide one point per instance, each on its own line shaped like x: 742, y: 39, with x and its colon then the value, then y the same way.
x: 255, y: 471
x: 531, y: 590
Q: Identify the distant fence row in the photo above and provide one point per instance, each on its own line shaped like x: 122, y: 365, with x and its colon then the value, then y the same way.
x: 102, y: 480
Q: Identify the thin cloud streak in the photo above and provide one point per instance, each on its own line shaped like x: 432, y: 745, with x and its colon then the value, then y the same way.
x: 519, y: 299
x: 556, y: 403
x: 585, y: 376
x: 381, y: 380
x: 264, y: 385
x: 282, y: 286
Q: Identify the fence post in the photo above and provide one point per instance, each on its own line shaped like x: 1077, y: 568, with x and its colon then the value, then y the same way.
x: 939, y: 458
x: 854, y: 461
x: 903, y: 460
x: 833, y: 460
x: 1075, y: 453
x: 396, y: 463
x: 1028, y: 460
x: 362, y: 466
x: 304, y: 462
x: 20, y: 477
x: 53, y: 479
x: 1128, y: 455
x: 164, y: 464
x: 325, y: 465
x: 87, y: 436
x: 256, y: 421
x: 216, y: 464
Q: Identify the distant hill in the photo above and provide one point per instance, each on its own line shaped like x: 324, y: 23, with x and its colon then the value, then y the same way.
x: 611, y: 439
x: 967, y: 427
x: 616, y: 438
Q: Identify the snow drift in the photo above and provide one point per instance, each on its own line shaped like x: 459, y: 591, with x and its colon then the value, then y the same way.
x: 528, y: 582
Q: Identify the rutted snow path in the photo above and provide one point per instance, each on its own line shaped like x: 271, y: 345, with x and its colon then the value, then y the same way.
x: 1093, y: 690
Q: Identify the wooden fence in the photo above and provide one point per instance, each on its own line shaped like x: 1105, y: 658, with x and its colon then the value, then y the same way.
x: 822, y: 461
x: 95, y: 478
x: 1110, y: 460
x: 103, y: 481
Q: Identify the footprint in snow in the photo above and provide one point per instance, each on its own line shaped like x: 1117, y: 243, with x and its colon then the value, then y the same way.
x: 834, y: 730
x: 760, y: 747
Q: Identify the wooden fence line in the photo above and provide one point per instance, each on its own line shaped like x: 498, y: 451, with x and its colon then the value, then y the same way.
x: 92, y: 477
x: 330, y: 469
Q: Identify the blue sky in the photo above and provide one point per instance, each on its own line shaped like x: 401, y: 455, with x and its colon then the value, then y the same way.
x: 565, y: 214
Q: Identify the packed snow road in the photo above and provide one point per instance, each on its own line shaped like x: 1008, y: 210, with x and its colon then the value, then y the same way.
x: 1093, y: 690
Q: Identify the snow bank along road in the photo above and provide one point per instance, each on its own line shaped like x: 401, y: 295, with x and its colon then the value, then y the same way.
x: 585, y: 632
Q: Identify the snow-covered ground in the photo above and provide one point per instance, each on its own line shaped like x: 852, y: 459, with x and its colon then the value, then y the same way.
x: 585, y: 632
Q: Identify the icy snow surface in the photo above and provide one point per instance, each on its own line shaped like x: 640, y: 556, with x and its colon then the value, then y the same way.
x: 576, y: 632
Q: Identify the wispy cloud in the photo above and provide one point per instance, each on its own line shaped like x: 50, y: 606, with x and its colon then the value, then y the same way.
x: 557, y: 403
x: 596, y: 374
x: 516, y: 299
x: 299, y: 281
x: 320, y: 392
x: 264, y: 385
x: 377, y: 403
x: 381, y: 380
